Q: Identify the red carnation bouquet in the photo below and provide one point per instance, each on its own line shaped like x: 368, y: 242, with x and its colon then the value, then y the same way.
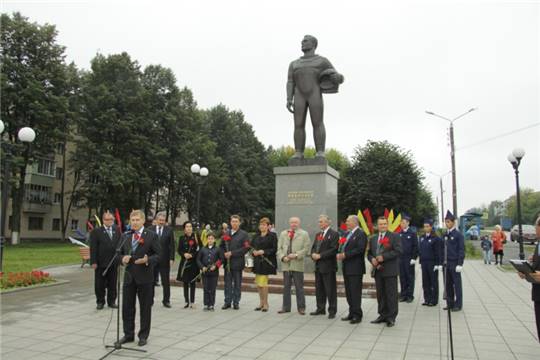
x: 320, y: 237
x: 217, y: 264
x: 139, y: 238
x: 342, y: 242
x: 187, y: 263
x: 384, y: 243
x: 291, y: 234
x: 227, y: 239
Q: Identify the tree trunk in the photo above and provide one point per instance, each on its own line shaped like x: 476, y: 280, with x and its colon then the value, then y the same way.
x: 18, y: 198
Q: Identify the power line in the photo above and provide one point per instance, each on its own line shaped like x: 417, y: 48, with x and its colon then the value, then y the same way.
x: 498, y: 136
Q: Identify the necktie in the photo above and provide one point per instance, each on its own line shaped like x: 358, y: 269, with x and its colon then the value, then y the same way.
x: 109, y: 231
x: 159, y: 230
x: 135, y: 241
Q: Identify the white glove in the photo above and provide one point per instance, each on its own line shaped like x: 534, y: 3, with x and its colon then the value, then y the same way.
x: 439, y: 267
x: 459, y: 268
x: 413, y: 261
x: 435, y: 268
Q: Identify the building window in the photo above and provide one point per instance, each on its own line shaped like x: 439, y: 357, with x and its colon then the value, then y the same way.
x: 56, y: 224
x: 60, y: 149
x: 37, y: 194
x: 74, y: 224
x: 57, y: 198
x: 35, y: 223
x: 59, y: 173
x: 45, y: 167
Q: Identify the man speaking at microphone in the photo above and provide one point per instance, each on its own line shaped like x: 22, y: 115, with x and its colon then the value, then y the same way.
x: 140, y: 252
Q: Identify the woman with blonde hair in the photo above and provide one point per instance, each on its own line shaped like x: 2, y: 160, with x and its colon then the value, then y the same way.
x: 498, y: 237
x: 264, y: 260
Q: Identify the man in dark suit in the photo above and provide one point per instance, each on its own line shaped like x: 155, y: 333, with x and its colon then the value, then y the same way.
x: 384, y: 252
x: 323, y: 252
x: 141, y: 253
x: 103, y: 243
x: 234, y: 249
x: 166, y: 257
x: 352, y: 253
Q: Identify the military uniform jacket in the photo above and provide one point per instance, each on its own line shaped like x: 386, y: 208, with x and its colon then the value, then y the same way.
x: 455, y: 247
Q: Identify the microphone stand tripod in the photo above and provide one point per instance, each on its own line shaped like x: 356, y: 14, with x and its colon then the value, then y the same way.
x: 445, y: 297
x: 117, y: 346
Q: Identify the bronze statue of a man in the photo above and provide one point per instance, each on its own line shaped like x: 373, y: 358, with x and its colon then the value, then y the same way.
x: 309, y: 77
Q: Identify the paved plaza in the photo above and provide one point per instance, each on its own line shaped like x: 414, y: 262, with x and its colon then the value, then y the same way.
x: 61, y: 322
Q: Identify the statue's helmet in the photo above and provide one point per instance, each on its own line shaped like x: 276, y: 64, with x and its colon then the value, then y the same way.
x: 328, y: 82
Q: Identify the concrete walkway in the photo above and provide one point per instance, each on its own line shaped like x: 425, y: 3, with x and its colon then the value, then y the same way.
x: 61, y: 322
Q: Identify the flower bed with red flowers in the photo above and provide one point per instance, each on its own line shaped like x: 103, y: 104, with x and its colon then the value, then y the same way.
x: 23, y: 279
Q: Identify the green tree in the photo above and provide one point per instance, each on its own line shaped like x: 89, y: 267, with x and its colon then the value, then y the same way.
x: 382, y: 175
x: 530, y: 206
x: 336, y: 159
x: 34, y: 93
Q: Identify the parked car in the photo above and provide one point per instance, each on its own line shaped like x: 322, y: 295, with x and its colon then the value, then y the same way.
x: 529, y: 233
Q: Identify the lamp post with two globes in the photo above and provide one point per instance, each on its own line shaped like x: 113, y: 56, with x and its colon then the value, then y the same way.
x: 515, y: 159
x: 203, y: 173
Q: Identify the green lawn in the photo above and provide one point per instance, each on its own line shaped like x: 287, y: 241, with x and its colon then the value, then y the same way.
x: 27, y: 257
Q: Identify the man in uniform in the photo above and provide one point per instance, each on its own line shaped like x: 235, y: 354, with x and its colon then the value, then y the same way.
x: 409, y: 248
x: 455, y: 255
x: 430, y: 250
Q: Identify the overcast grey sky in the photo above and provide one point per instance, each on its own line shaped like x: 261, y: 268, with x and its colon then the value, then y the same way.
x: 399, y: 58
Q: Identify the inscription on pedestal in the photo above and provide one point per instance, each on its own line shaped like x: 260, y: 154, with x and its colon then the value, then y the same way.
x: 300, y: 197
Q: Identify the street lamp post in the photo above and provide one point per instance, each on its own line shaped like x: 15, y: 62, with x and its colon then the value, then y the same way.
x: 452, y: 153
x: 25, y: 135
x: 203, y: 173
x: 515, y: 159
x: 442, y: 192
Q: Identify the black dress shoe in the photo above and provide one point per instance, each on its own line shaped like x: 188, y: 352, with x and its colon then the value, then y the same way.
x: 378, y: 320
x: 356, y: 321
x: 113, y: 306
x: 226, y: 306
x: 125, y: 339
x: 425, y: 304
x: 167, y: 304
x: 346, y: 318
x: 390, y: 323
x: 258, y: 308
x: 100, y: 306
x: 186, y: 306
x: 456, y: 309
x: 431, y: 304
x: 409, y: 300
x: 331, y: 316
x: 402, y: 299
x: 314, y: 313
x: 142, y: 342
x: 283, y: 311
x: 447, y: 307
x: 236, y: 307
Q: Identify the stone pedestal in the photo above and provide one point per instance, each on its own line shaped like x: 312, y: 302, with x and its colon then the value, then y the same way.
x: 306, y: 189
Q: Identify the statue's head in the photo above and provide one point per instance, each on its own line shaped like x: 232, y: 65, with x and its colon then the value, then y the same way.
x: 309, y: 42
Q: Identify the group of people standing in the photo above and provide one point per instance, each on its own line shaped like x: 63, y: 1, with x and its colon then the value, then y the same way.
x: 147, y: 252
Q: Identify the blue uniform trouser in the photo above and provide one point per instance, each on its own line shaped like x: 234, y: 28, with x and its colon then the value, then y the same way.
x: 406, y: 277
x: 454, y: 289
x: 430, y: 282
x: 233, y: 286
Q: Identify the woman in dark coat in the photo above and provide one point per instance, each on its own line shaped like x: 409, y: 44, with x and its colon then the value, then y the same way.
x: 264, y: 260
x: 188, y: 248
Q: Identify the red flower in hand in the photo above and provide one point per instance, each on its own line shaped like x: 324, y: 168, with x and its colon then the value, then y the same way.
x: 291, y: 234
x: 342, y: 240
x: 226, y: 238
x: 246, y: 244
x: 218, y: 264
x: 320, y: 237
x: 191, y: 243
x: 139, y: 238
x: 385, y: 242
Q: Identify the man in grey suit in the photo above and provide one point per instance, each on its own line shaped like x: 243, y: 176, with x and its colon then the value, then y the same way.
x: 384, y: 252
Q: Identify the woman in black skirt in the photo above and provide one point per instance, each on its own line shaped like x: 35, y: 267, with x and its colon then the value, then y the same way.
x: 264, y: 260
x: 188, y: 247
